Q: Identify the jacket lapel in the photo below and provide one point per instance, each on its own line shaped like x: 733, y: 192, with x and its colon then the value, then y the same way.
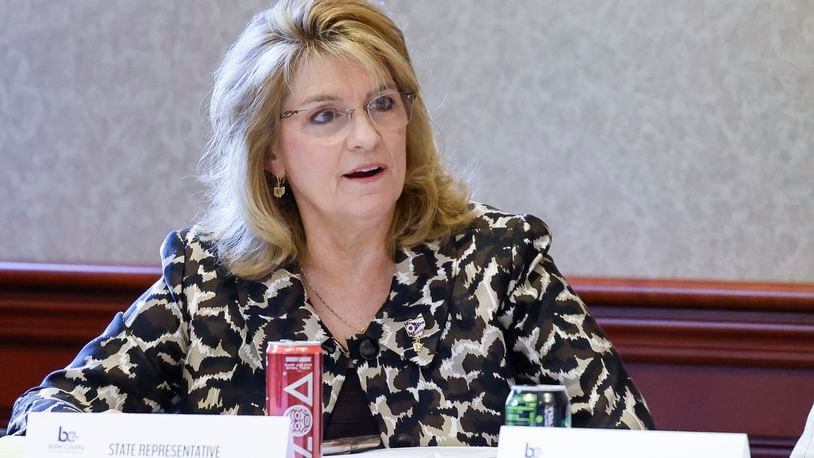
x: 413, y: 319
x: 275, y: 309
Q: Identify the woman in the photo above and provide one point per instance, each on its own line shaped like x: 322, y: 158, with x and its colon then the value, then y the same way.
x: 332, y: 220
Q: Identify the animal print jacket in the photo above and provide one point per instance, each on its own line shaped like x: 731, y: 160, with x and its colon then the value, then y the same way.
x: 466, y: 318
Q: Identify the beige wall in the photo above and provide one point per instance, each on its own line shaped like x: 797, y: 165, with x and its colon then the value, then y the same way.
x: 657, y: 138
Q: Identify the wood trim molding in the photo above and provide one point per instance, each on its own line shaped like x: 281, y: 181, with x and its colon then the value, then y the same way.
x: 22, y: 277
x: 699, y: 294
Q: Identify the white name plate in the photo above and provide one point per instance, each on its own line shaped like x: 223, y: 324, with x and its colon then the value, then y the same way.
x: 129, y: 435
x: 529, y: 442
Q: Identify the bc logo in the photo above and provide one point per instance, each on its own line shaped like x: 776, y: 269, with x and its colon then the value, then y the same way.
x: 66, y: 436
x: 532, y: 452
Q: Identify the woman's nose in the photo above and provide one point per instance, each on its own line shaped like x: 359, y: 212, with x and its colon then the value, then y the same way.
x: 362, y: 133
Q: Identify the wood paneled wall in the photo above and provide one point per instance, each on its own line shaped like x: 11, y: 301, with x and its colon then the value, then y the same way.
x: 708, y: 356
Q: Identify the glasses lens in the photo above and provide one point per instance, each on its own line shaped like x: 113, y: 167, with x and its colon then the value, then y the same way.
x: 390, y: 110
x: 323, y: 121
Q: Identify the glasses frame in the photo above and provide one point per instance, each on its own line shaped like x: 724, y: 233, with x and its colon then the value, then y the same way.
x: 410, y: 96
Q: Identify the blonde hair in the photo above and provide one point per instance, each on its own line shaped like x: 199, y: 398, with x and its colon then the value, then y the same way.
x: 255, y: 232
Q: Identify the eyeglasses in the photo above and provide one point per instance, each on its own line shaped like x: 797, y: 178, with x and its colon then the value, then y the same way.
x: 328, y: 121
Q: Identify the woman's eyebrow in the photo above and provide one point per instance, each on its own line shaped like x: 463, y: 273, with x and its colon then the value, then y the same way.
x: 333, y: 98
x: 320, y: 98
x: 380, y: 89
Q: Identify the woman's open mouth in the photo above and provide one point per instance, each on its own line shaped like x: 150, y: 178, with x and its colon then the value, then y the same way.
x: 365, y: 172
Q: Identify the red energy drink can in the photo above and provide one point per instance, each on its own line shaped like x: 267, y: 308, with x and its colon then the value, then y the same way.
x: 294, y: 390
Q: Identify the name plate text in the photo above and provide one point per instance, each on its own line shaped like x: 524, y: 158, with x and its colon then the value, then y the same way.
x: 135, y: 435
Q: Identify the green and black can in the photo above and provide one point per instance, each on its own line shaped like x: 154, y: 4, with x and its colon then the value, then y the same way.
x: 538, y: 405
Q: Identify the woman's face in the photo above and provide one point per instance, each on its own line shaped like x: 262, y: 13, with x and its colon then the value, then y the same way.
x: 355, y: 173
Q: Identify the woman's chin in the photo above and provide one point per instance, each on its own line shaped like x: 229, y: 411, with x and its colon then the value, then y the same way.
x: 370, y: 209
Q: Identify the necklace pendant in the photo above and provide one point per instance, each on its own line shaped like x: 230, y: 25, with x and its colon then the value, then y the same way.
x: 417, y: 346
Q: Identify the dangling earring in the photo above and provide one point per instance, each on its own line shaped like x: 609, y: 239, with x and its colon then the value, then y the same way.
x: 279, y: 190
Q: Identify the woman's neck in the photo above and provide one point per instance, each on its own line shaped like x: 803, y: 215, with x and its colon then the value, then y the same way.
x: 346, y: 250
x: 347, y: 276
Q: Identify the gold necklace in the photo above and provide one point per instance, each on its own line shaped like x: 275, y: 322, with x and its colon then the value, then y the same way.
x: 304, y: 277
